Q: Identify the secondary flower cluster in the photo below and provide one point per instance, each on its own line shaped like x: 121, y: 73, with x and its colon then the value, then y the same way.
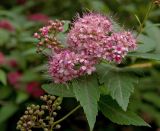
x: 90, y: 39
x: 47, y: 35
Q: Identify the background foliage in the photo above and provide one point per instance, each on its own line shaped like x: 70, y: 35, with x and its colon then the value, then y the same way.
x: 21, y: 69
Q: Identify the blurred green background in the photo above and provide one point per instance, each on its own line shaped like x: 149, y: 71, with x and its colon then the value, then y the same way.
x: 22, y: 70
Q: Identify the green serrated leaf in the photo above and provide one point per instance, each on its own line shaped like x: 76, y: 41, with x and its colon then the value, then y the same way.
x: 3, y: 78
x: 7, y: 111
x: 150, y: 40
x: 87, y: 93
x: 153, y: 32
x: 119, y: 84
x: 58, y: 90
x: 147, y: 44
x: 113, y: 112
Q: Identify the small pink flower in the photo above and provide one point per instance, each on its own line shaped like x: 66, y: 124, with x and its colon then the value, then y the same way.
x: 34, y: 89
x: 5, y: 24
x: 36, y: 35
x: 39, y: 17
x: 2, y: 58
x: 14, y: 77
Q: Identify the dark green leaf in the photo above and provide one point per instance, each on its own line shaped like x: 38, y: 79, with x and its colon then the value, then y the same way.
x: 5, y: 92
x: 147, y: 44
x: 87, y: 92
x: 153, y: 32
x: 119, y: 84
x: 112, y: 111
x: 150, y: 40
x: 7, y: 111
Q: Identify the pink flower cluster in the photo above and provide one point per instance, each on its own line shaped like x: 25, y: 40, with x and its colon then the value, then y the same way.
x: 89, y: 30
x: 68, y: 65
x: 94, y: 35
x: 90, y: 39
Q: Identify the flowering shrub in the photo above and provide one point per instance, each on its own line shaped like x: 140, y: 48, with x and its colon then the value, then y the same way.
x: 91, y: 59
x: 81, y: 66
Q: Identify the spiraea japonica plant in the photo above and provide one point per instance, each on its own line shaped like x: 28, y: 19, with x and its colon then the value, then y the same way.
x: 87, y: 61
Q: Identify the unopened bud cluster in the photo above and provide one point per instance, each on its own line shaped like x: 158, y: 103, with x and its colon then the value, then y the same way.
x: 157, y: 2
x: 47, y: 35
x: 43, y: 116
x: 90, y: 39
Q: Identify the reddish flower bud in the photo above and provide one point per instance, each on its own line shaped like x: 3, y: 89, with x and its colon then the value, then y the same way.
x: 4, y: 24
x: 39, y: 17
x: 14, y: 78
x: 34, y: 89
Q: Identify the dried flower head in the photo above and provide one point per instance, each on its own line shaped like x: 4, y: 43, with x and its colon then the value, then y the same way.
x: 157, y: 2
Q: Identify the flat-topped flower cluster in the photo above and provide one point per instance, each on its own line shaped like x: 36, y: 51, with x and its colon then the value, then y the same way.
x: 90, y: 39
